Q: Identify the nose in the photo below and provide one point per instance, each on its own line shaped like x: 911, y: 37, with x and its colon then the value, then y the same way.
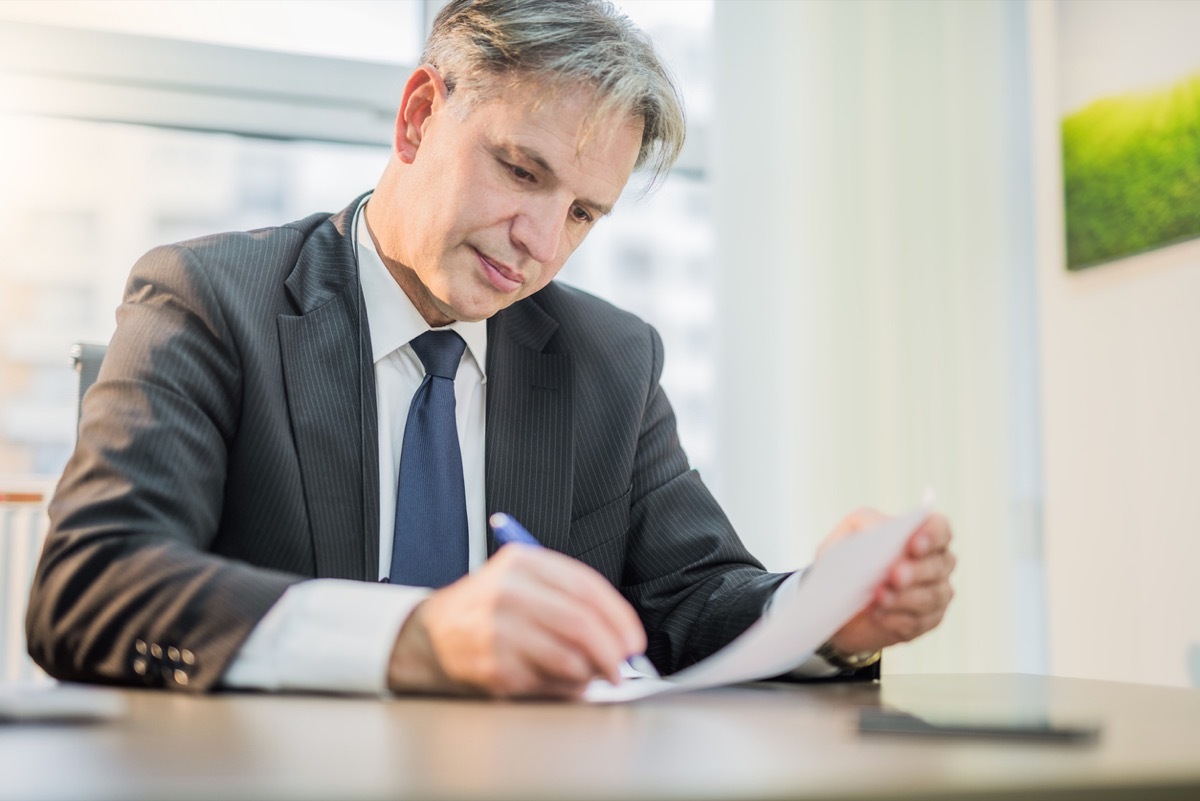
x: 538, y: 226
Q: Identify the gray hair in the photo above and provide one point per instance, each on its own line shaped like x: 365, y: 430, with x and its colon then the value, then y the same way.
x: 562, y: 43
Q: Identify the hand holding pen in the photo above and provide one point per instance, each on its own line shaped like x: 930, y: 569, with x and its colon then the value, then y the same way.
x: 507, y: 530
x: 531, y: 622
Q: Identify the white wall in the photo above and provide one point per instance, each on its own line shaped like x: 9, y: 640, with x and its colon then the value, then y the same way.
x: 1121, y: 402
x: 875, y: 235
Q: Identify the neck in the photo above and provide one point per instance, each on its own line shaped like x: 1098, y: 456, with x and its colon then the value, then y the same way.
x: 406, y: 277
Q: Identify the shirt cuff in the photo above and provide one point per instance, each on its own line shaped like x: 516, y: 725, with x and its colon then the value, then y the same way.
x: 327, y: 635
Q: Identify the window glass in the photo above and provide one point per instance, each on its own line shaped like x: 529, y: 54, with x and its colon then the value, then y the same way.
x: 84, y: 201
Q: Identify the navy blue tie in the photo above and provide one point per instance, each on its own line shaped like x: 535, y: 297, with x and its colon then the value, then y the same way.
x: 429, y: 548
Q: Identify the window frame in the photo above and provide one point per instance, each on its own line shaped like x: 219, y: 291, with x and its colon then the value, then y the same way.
x: 108, y: 76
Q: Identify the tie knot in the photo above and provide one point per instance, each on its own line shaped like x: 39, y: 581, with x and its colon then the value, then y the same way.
x: 440, y: 352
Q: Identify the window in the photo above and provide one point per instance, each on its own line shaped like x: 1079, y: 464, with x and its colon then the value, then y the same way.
x: 124, y: 136
x: 654, y: 256
x: 85, y: 202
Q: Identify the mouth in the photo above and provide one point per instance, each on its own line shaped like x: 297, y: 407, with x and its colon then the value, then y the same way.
x: 499, y: 275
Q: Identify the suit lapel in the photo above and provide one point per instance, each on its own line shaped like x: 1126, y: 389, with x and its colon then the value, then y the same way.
x: 529, y: 448
x: 329, y: 382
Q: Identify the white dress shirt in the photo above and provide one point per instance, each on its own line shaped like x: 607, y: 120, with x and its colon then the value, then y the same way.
x: 337, y: 635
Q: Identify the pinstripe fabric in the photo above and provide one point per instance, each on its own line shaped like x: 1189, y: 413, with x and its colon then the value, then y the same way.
x: 228, y: 449
x: 221, y: 456
x: 582, y: 446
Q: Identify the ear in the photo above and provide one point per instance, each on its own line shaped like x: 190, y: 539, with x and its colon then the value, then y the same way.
x: 424, y: 95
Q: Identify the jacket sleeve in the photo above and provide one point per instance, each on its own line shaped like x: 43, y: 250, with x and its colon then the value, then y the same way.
x: 686, y: 571
x: 126, y: 591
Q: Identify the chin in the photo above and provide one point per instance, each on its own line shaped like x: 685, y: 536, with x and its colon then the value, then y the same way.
x: 468, y: 312
x: 472, y: 310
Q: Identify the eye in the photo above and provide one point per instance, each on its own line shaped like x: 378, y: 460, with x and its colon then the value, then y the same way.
x: 520, y: 173
x: 580, y: 214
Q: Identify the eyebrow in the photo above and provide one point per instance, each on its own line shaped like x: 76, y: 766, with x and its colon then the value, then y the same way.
x: 604, y: 209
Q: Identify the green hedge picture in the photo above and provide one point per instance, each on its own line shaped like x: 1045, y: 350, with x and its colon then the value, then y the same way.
x: 1131, y: 168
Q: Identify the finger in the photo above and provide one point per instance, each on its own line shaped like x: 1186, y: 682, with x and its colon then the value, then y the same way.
x: 553, y: 688
x: 929, y: 569
x: 591, y: 589
x: 920, y: 600
x: 904, y: 626
x: 554, y: 662
x: 859, y: 519
x: 577, y: 629
x: 931, y: 536
x: 518, y: 676
x: 559, y: 690
x: 572, y: 613
x: 482, y: 637
x: 855, y: 521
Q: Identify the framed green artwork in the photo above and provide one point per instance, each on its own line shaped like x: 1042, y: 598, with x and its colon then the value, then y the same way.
x: 1130, y: 106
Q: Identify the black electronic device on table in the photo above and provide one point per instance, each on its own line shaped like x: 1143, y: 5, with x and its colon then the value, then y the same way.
x: 967, y: 723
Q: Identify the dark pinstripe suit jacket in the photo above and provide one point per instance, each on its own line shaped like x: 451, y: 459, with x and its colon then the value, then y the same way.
x: 229, y: 449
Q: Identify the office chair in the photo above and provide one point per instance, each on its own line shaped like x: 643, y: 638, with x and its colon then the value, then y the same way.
x: 86, y: 359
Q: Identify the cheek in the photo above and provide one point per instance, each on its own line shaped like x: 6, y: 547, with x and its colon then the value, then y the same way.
x: 477, y: 194
x: 491, y: 202
x: 450, y: 201
x: 551, y: 271
x: 572, y: 237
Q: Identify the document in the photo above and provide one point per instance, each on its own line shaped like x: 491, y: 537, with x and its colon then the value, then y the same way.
x: 834, y: 589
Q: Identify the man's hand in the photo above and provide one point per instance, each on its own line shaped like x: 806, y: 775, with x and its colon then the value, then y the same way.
x: 530, y: 622
x: 914, y: 594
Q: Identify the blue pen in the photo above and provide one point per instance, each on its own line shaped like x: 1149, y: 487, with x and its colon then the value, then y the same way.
x: 508, y: 530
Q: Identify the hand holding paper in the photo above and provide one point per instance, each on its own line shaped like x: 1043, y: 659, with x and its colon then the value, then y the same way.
x: 914, y: 593
x: 874, y: 581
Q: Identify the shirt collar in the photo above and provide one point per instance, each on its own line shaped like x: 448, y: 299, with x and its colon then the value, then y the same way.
x: 392, y: 318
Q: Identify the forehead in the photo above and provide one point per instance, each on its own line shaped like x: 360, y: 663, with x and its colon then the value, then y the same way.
x: 571, y: 123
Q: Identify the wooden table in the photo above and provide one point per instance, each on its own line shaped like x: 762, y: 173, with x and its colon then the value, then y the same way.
x: 767, y: 741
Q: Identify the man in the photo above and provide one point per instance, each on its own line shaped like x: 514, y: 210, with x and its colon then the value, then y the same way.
x: 260, y: 431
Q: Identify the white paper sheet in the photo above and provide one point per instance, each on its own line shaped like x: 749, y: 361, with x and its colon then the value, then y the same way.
x: 837, y: 586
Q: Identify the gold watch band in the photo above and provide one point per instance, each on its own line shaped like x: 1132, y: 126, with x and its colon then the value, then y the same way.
x: 848, y: 661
